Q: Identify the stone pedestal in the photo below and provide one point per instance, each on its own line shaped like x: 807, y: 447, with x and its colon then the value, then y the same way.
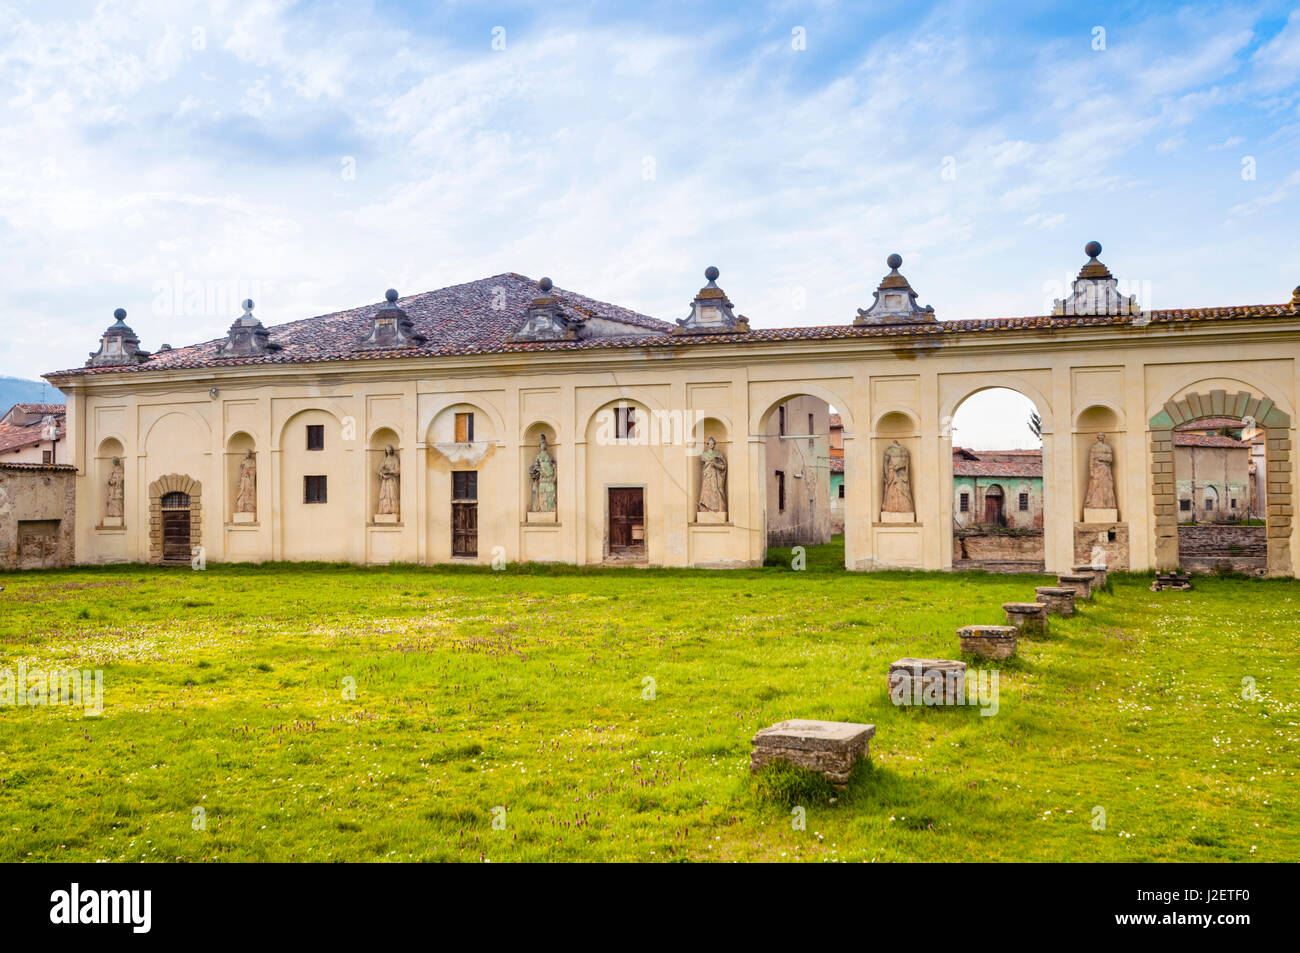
x: 1029, y: 619
x: 706, y: 517
x: 113, y: 521
x: 989, y: 641
x: 1098, y: 575
x: 385, y: 517
x: 1059, y: 600
x: 1081, y: 583
x: 534, y: 517
x: 927, y: 681
x: 243, y: 518
x: 1100, y: 516
x: 830, y: 748
x: 897, y: 517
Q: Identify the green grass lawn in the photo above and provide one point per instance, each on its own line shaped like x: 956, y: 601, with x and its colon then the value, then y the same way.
x: 525, y: 689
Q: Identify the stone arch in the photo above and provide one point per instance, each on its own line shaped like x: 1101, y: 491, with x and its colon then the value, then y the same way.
x: 330, y: 409
x: 758, y: 417
x: 1007, y: 382
x: 889, y: 410
x: 173, y: 483
x: 181, y: 412
x: 1218, y: 402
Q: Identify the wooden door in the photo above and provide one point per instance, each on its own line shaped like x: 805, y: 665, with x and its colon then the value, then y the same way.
x: 626, y: 519
x: 464, y: 529
x: 993, y: 506
x: 176, y: 528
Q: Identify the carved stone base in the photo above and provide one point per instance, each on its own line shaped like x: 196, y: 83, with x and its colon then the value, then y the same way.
x: 707, y: 517
x: 386, y: 518
x: 111, y: 521
x: 541, y: 517
x: 897, y: 517
x: 829, y: 747
x: 1100, y: 516
x: 243, y: 518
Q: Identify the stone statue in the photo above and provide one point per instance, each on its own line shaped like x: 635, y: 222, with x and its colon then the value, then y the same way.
x: 1101, y: 476
x: 389, y: 477
x: 897, y: 497
x: 246, y: 501
x: 542, y: 471
x: 116, y: 489
x: 713, y: 479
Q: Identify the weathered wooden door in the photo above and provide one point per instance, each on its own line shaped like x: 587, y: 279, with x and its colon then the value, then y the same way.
x: 176, y: 528
x: 464, y: 513
x: 626, y: 519
x: 993, y: 506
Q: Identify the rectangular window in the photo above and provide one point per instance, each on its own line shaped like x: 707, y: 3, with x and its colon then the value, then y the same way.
x: 464, y: 428
x: 316, y: 437
x: 1209, y: 503
x: 965, y: 502
x: 47, y: 456
x: 313, y: 489
x: 780, y: 491
x: 1024, y: 501
x: 464, y: 485
x: 1184, y: 504
x: 1233, y: 504
x: 812, y: 431
x: 624, y: 422
x: 780, y: 421
x: 841, y: 491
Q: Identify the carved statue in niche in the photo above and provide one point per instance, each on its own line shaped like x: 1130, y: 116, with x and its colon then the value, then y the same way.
x: 1101, y: 476
x: 713, y: 479
x: 116, y: 490
x: 897, y: 495
x: 389, y: 477
x: 246, y: 501
x: 542, y: 471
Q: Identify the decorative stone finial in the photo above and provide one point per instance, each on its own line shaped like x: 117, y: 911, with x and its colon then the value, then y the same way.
x: 711, y: 311
x: 1095, y: 291
x: 546, y: 319
x: 1295, y: 298
x: 118, y: 346
x: 390, y: 327
x: 246, y: 337
x: 895, y: 301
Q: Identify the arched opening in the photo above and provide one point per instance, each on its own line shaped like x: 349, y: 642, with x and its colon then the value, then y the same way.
x: 463, y: 481
x: 176, y: 527
x: 384, y: 476
x: 625, y: 441
x: 110, y: 478
x: 999, y: 506
x: 797, y: 472
x: 1222, y: 482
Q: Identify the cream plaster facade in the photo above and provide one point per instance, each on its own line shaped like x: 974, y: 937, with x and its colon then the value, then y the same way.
x: 1128, y: 377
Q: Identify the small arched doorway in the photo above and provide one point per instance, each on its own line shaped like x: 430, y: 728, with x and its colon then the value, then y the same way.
x: 994, y: 510
x: 176, y: 527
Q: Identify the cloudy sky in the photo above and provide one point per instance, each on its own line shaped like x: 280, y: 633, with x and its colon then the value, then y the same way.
x: 170, y: 157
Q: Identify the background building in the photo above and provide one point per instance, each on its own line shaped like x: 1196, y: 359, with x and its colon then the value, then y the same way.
x: 799, y: 473
x: 1213, y: 465
x: 837, y: 473
x: 34, y: 433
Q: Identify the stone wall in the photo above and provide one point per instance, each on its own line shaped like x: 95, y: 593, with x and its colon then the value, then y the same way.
x: 1110, y: 538
x: 1213, y: 547
x: 37, y: 523
x: 973, y: 549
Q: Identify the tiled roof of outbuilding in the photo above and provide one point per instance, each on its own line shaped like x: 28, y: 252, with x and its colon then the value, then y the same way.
x: 1026, y: 464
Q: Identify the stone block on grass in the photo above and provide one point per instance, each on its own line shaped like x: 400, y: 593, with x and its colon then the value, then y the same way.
x: 927, y: 681
x: 1028, y: 618
x: 830, y: 748
x: 989, y: 641
x: 1059, y: 600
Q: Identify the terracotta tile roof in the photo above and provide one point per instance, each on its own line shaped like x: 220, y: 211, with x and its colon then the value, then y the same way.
x: 1212, y: 423
x: 837, y: 464
x: 17, y: 436
x: 462, y: 320
x: 1207, y: 440
x: 836, y: 422
x: 1026, y: 464
x: 59, y: 467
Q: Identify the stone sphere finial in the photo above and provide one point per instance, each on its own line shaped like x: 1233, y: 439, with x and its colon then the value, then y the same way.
x: 545, y: 284
x: 712, y: 273
x: 391, y: 295
x: 120, y: 314
x: 1092, y: 249
x: 894, y: 260
x: 247, y: 305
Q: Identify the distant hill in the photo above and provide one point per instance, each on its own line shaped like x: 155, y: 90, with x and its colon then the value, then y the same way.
x: 15, y: 390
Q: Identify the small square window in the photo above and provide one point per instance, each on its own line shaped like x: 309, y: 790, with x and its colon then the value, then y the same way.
x: 47, y: 456
x: 624, y: 423
x: 1184, y: 505
x: 1024, y: 501
x: 315, y: 436
x: 464, y: 485
x: 313, y: 489
x: 965, y: 503
x: 1209, y: 503
x: 464, y: 428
